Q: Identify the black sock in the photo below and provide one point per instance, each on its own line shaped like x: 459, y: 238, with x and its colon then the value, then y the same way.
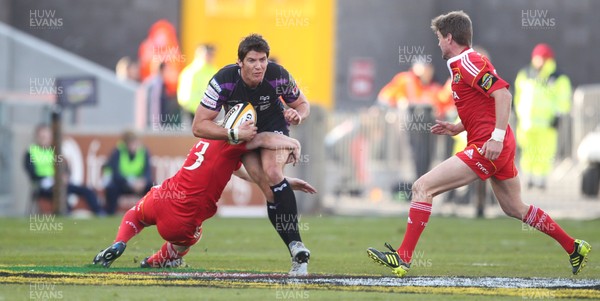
x: 285, y: 214
x: 272, y: 212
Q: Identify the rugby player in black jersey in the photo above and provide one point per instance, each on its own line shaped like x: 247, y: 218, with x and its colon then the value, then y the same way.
x: 256, y: 80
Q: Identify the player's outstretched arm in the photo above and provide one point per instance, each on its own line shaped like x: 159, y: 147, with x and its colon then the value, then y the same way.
x: 299, y: 184
x: 447, y: 128
x: 295, y: 183
x: 204, y: 126
x: 273, y: 141
x: 298, y: 111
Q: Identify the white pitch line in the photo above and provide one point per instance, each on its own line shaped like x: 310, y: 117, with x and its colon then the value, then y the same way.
x: 488, y: 282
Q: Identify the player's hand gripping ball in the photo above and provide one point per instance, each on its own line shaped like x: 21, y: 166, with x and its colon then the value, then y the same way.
x: 237, y: 115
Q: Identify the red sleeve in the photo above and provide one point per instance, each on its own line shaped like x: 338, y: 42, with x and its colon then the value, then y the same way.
x: 240, y: 149
x: 480, y: 74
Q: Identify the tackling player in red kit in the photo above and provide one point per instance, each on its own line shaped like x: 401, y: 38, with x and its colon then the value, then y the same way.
x: 483, y: 104
x: 181, y: 203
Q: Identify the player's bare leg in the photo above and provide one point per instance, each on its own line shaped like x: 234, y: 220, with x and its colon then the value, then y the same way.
x: 450, y: 174
x: 508, y: 193
x: 253, y: 165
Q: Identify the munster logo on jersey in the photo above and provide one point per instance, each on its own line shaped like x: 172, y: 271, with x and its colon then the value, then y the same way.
x: 487, y: 81
x: 456, y: 78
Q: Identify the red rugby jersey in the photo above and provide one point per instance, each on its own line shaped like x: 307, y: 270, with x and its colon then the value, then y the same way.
x: 205, y: 172
x: 474, y: 78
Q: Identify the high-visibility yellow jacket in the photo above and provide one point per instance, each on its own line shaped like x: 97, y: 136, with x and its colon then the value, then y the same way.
x: 540, y: 96
x: 42, y: 159
x: 192, y: 84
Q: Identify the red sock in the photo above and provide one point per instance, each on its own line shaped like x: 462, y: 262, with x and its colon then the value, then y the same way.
x: 166, y: 254
x: 130, y: 226
x: 540, y: 220
x: 418, y: 215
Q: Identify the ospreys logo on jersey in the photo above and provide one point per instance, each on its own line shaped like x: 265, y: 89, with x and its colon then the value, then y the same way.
x: 487, y: 81
x: 264, y: 103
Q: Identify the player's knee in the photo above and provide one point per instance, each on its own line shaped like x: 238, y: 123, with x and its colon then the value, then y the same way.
x: 421, y: 192
x: 274, y: 175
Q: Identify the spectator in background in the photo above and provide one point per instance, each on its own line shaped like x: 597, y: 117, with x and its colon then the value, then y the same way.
x: 162, y: 108
x: 127, y: 170
x: 127, y: 69
x: 39, y: 162
x: 160, y: 61
x: 542, y: 99
x: 161, y: 45
x: 194, y: 79
x: 421, y: 99
x: 415, y: 86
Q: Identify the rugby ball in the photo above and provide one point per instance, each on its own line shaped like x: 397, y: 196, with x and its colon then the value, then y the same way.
x: 239, y: 114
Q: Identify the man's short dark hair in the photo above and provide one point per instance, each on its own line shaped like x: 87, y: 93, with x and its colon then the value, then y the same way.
x: 252, y: 42
x: 456, y: 23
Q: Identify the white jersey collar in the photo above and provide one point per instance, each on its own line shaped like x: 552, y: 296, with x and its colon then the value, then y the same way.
x: 458, y: 57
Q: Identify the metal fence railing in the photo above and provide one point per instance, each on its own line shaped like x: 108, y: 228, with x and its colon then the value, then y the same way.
x: 586, y: 112
x: 375, y: 149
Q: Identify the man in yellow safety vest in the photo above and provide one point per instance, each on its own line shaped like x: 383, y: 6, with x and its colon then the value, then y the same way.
x: 194, y: 79
x: 542, y: 99
x: 127, y: 171
x: 39, y: 162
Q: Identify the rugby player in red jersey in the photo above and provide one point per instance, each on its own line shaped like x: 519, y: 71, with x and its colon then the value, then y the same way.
x: 483, y: 103
x: 181, y: 203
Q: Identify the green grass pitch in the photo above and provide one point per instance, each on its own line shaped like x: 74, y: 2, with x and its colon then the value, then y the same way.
x: 448, y: 247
